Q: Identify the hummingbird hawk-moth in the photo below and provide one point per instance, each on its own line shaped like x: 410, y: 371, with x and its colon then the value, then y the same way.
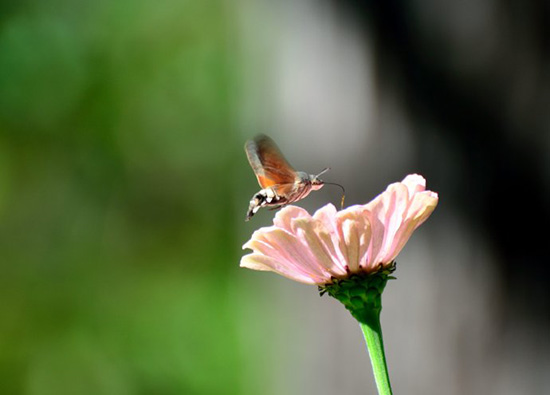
x: 281, y: 184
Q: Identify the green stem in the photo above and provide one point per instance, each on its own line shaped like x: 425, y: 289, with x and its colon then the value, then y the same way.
x: 370, y: 324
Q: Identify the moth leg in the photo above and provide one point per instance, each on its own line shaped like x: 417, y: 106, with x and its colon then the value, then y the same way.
x: 279, y: 206
x: 278, y: 202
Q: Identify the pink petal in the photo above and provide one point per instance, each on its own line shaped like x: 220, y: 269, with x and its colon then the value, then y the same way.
x: 338, y: 235
x: 394, y: 216
x: 355, y: 232
x: 283, y: 218
x: 385, y: 215
x: 414, y: 183
x: 326, y: 215
x: 314, y: 237
x: 266, y: 263
x: 288, y: 250
x: 421, y: 207
x: 328, y: 232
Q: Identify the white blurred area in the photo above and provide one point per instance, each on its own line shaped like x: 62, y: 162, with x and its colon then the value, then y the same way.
x: 309, y: 82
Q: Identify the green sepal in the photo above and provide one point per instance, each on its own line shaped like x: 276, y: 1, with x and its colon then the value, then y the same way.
x: 360, y: 293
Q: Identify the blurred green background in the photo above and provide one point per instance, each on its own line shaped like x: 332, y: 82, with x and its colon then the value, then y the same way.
x: 117, y: 190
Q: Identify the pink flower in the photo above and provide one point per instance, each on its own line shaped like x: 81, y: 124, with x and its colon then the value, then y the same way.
x: 313, y: 249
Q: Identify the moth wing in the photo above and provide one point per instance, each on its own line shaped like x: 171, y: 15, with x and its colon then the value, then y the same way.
x: 269, y: 164
x: 285, y: 190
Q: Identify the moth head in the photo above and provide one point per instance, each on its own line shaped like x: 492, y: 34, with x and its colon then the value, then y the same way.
x: 316, y: 182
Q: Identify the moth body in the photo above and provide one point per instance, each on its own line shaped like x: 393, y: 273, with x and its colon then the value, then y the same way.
x: 268, y: 197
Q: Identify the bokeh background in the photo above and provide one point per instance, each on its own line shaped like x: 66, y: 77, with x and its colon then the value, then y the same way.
x: 124, y: 186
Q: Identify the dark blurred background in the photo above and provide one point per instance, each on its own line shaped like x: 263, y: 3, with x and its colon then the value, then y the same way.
x: 124, y: 186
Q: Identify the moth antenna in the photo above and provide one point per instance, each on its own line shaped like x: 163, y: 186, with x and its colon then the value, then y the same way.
x: 343, y: 192
x: 323, y: 172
